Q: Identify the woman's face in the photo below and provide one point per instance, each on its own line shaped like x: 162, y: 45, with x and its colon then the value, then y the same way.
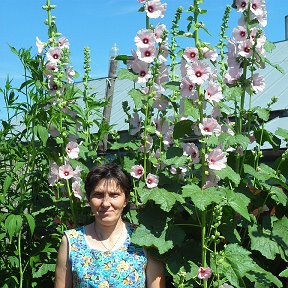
x: 107, y: 201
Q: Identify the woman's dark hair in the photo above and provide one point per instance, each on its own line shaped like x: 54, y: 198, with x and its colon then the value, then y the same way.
x: 108, y: 171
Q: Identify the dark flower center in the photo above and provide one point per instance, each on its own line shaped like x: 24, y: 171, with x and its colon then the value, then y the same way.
x: 142, y: 73
x: 191, y: 87
x: 149, y: 181
x: 192, y: 54
x: 150, y: 9
x: 247, y: 49
x: 254, y: 6
x: 243, y: 4
x: 56, y: 56
x: 242, y: 33
x: 55, y: 87
x: 198, y: 74
x: 66, y: 173
x: 139, y: 172
x: 147, y: 53
x: 145, y: 41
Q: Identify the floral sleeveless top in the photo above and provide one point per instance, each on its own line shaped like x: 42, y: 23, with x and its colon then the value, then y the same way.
x: 124, y: 267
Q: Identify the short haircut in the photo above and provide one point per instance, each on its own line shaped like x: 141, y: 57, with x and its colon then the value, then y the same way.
x: 108, y: 171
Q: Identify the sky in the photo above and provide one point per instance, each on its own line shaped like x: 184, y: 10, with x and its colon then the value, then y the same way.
x: 99, y: 24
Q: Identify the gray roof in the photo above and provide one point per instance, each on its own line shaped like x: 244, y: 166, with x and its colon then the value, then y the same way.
x: 276, y: 85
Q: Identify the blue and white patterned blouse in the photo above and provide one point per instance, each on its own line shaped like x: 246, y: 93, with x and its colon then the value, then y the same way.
x: 123, y: 267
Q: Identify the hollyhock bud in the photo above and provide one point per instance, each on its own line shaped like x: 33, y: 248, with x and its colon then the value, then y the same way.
x: 63, y: 43
x: 72, y: 150
x: 204, y: 273
x: 152, y: 181
x: 137, y: 171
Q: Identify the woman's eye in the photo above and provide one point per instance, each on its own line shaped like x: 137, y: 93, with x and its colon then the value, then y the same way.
x: 114, y: 195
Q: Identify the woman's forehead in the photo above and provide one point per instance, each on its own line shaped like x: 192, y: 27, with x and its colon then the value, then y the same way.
x: 108, y: 184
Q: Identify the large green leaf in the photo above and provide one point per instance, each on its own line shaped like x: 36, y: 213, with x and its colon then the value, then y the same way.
x: 284, y: 273
x: 202, y: 198
x: 13, y: 224
x: 278, y: 195
x: 238, y: 202
x: 229, y: 173
x: 173, y: 85
x: 190, y: 109
x: 263, y: 242
x: 44, y: 268
x: 125, y: 74
x: 282, y: 133
x: 31, y: 222
x: 279, y: 232
x: 183, y: 129
x: 137, y: 97
x: 42, y: 133
x: 162, y: 197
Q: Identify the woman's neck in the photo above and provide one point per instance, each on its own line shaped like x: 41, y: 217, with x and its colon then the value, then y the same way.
x: 104, y: 232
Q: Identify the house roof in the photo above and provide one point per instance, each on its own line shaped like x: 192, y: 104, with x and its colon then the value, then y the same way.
x: 276, y: 85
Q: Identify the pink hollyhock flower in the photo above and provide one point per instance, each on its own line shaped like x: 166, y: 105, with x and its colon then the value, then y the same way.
x: 260, y: 41
x: 155, y: 8
x: 135, y: 124
x: 141, y: 1
x: 70, y: 73
x: 187, y: 89
x: 210, y: 54
x: 163, y: 74
x: 258, y: 83
x: 216, y: 159
x: 245, y: 48
x: 54, y: 54
x: 233, y: 74
x: 148, y: 143
x: 53, y: 87
x: 66, y: 172
x: 210, y: 126
x: 190, y: 149
x: 163, y: 52
x: 211, y: 181
x: 168, y: 137
x: 152, y: 181
x: 72, y: 150
x: 173, y: 170
x: 241, y: 5
x: 146, y: 54
x: 77, y: 173
x: 183, y: 67
x: 144, y: 38
x: 51, y: 68
x: 204, y: 273
x: 240, y: 33
x: 159, y: 32
x: 63, y: 42
x: 198, y: 72
x: 76, y: 188
x: 216, y: 112
x: 191, y: 54
x: 161, y: 103
x: 53, y: 176
x: 162, y: 126
x: 213, y: 92
x: 257, y: 7
x: 137, y: 171
x: 40, y: 45
x: 262, y: 18
x: 225, y: 285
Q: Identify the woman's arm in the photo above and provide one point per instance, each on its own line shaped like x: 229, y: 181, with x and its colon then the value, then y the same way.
x: 63, y: 277
x: 155, y: 273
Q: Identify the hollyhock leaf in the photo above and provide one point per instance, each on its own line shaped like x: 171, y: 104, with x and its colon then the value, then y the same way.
x: 269, y: 46
x: 266, y: 136
x: 6, y: 184
x: 279, y: 232
x: 123, y: 58
x: 182, y: 129
x: 278, y: 195
x: 125, y: 74
x: 190, y: 109
x: 263, y: 113
x: 13, y: 224
x: 282, y: 133
x: 229, y: 173
x: 137, y: 97
x: 284, y: 273
x: 44, y: 268
x: 201, y: 198
x: 276, y: 66
x: 31, y: 222
x: 172, y: 85
x: 238, y: 202
x: 250, y: 170
x: 174, y: 152
x: 263, y: 243
x: 74, y: 163
x: 176, y: 161
x: 162, y: 197
x: 144, y: 237
x: 232, y: 93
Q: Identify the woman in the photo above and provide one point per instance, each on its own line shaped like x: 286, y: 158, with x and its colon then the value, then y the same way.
x: 100, y: 254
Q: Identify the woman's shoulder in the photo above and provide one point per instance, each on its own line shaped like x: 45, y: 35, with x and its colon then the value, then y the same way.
x: 75, y: 232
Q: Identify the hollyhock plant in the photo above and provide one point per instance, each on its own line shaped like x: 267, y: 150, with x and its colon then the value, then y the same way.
x: 245, y: 48
x: 66, y: 172
x: 257, y: 7
x: 210, y: 126
x: 76, y: 188
x: 137, y: 171
x: 51, y: 68
x: 211, y: 180
x: 191, y: 54
x: 240, y: 33
x: 210, y: 54
x: 204, y: 273
x: 161, y: 103
x: 216, y: 159
x: 155, y: 9
x: 144, y: 38
x: 72, y: 150
x: 63, y: 42
x: 53, y: 54
x: 198, y: 72
x: 148, y: 143
x: 53, y: 87
x: 241, y: 5
x: 135, y: 124
x: 152, y: 181
x: 77, y: 173
x: 190, y: 149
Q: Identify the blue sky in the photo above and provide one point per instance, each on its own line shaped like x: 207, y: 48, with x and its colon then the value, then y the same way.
x: 98, y: 24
